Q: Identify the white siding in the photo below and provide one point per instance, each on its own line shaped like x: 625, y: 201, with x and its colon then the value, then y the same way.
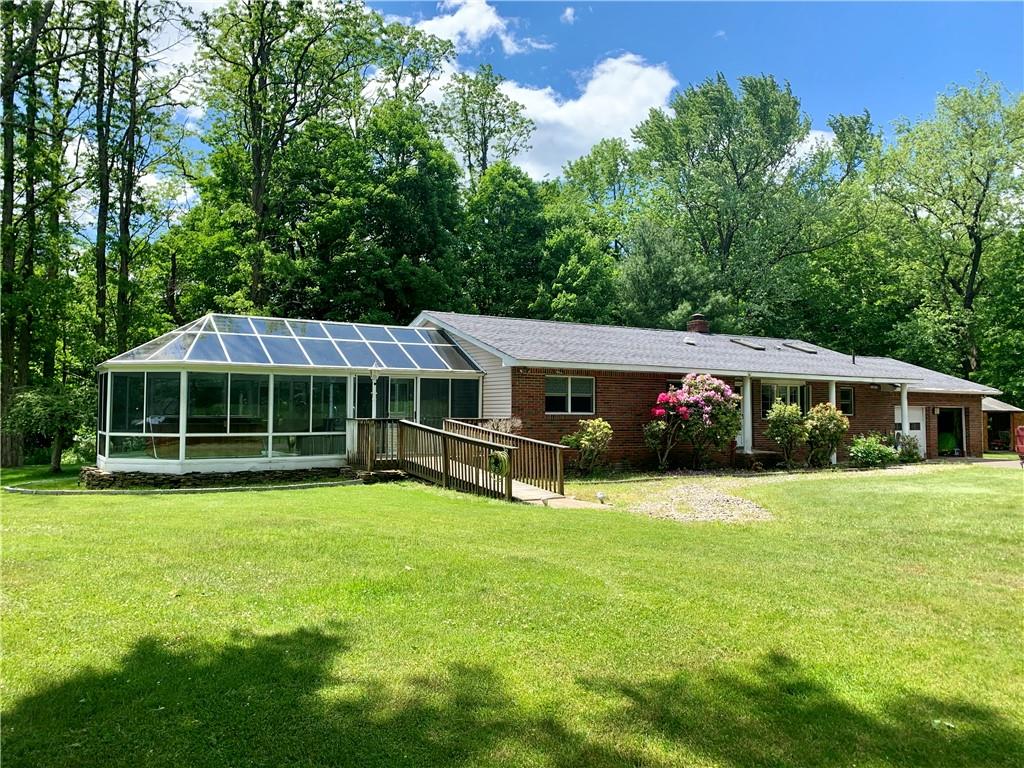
x: 497, y: 384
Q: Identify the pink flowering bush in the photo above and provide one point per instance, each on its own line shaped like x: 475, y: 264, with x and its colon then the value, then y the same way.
x: 703, y: 411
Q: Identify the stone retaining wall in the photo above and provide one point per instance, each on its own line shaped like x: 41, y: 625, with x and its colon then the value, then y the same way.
x: 95, y: 478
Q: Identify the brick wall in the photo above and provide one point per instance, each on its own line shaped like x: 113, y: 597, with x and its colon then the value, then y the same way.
x: 625, y: 398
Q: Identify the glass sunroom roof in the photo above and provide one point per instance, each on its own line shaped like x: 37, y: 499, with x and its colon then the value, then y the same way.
x: 239, y: 339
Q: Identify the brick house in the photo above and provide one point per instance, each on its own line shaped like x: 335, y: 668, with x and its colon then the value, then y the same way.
x: 552, y: 374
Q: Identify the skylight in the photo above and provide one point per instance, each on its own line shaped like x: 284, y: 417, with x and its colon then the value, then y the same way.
x: 274, y: 341
x: 748, y: 344
x: 799, y: 348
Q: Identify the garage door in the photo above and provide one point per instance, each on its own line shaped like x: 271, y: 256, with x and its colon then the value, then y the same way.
x: 916, y: 424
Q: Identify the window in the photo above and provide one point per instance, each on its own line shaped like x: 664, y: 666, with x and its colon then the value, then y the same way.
x: 163, y: 402
x: 207, y: 403
x: 790, y: 394
x: 329, y: 404
x: 434, y: 394
x: 309, y: 445
x: 229, y: 447
x: 250, y: 395
x: 401, y: 398
x: 846, y: 400
x: 569, y: 394
x: 291, y: 403
x: 101, y: 424
x: 126, y: 401
x: 465, y: 398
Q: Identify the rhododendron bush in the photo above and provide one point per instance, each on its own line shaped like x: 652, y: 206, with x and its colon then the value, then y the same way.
x: 703, y: 411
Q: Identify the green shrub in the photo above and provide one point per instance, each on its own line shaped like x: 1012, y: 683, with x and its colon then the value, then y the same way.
x: 591, y: 440
x: 909, y: 449
x: 826, y: 428
x: 787, y: 427
x: 872, y: 451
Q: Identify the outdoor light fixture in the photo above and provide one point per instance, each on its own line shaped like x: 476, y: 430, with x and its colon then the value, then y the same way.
x: 601, y: 496
x: 875, y: 387
x: 935, y: 411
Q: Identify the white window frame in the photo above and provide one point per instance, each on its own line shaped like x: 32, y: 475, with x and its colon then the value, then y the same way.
x: 568, y: 396
x: 853, y: 400
x: 788, y: 386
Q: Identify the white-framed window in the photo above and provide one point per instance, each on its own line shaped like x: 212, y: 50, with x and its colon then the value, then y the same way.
x: 846, y: 400
x: 569, y: 394
x: 790, y: 394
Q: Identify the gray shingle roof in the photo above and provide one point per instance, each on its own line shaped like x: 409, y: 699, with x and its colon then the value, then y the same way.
x: 933, y: 381
x: 543, y: 342
x: 991, y: 405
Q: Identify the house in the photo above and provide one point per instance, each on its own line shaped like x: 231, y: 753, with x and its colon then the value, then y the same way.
x: 552, y: 374
x: 232, y: 393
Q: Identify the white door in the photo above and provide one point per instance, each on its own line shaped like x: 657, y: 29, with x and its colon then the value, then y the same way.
x: 916, y: 424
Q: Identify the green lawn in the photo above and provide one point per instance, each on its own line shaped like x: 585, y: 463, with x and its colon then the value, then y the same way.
x: 875, y: 621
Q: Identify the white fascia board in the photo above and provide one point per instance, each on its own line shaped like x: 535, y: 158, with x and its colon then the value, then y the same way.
x: 932, y: 391
x: 772, y: 375
x: 506, y: 360
x: 295, y: 370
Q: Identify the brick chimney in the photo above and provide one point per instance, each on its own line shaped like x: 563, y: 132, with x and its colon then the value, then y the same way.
x: 697, y: 324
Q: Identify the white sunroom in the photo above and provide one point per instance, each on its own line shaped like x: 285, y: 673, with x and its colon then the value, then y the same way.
x: 239, y: 393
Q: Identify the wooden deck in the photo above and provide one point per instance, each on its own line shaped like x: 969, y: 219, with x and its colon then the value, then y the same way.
x: 429, y: 467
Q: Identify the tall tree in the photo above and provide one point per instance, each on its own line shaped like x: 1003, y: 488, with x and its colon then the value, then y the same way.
x: 736, y: 174
x: 484, y: 124
x: 958, y: 179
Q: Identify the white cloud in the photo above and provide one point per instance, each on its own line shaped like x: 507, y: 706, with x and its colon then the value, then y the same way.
x: 568, y: 15
x: 814, y: 139
x: 720, y: 35
x: 616, y: 95
x: 468, y: 23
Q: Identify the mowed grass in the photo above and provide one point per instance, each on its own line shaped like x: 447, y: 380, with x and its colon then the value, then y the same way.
x: 876, y: 621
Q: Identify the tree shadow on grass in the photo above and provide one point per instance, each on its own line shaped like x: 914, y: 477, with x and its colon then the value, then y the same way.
x: 776, y: 714
x: 275, y: 701
x: 285, y: 700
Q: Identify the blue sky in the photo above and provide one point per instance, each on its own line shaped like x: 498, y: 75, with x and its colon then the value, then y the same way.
x: 587, y: 70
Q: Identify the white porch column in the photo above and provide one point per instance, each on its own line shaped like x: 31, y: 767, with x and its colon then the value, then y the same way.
x: 904, y: 410
x: 748, y: 417
x: 832, y: 399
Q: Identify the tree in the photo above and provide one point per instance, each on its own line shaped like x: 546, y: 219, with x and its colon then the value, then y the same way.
x: 958, y: 180
x: 55, y: 411
x: 484, y: 124
x: 505, y: 237
x: 609, y: 187
x: 734, y: 174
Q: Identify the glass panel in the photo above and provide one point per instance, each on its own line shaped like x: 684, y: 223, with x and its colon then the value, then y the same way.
x: 230, y: 447
x: 364, y: 397
x: 455, y: 359
x: 401, y: 398
x: 177, y: 349
x: 207, y: 402
x: 244, y: 349
x: 144, y: 447
x: 229, y: 324
x: 250, y: 396
x: 101, y: 444
x: 358, y: 354
x: 284, y: 351
x: 143, y: 351
x: 126, y: 401
x: 291, y: 403
x: 433, y: 401
x: 342, y: 331
x: 582, y: 400
x: 329, y: 404
x: 434, y: 336
x: 309, y: 445
x: 207, y: 347
x: 409, y: 335
x: 322, y: 352
x: 307, y: 328
x: 266, y: 325
x: 392, y: 356
x: 374, y: 333
x: 424, y: 357
x: 465, y: 398
x: 101, y: 395
x: 556, y: 394
x: 163, y: 402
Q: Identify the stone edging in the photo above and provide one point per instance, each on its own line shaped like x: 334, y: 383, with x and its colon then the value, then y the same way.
x: 169, y: 491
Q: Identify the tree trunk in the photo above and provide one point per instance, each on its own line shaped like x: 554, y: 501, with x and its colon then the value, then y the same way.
x: 102, y: 172
x: 31, y: 239
x: 126, y: 193
x: 56, y: 451
x: 10, y: 442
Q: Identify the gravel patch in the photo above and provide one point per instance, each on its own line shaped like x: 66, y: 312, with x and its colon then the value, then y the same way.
x: 699, y: 503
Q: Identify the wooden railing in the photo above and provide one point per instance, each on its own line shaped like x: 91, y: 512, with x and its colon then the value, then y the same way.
x: 533, y: 461
x: 376, y: 444
x: 455, y: 461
